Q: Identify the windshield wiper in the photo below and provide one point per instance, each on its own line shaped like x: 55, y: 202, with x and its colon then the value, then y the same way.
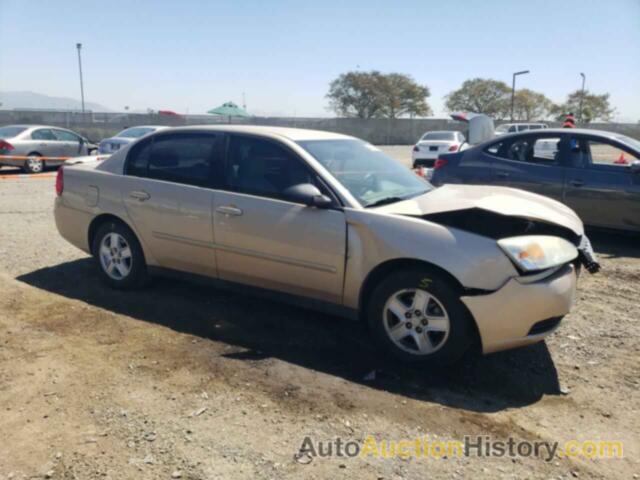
x: 385, y: 201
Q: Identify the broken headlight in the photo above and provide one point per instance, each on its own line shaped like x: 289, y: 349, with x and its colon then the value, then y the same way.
x: 538, y: 252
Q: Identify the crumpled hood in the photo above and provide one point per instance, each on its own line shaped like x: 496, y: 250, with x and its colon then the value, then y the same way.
x: 500, y: 200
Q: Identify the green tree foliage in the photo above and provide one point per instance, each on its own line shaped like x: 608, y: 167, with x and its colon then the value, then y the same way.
x: 594, y: 107
x: 374, y: 94
x: 530, y: 105
x: 481, y: 95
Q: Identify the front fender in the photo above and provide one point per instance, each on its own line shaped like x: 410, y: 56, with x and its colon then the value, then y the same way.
x: 375, y: 238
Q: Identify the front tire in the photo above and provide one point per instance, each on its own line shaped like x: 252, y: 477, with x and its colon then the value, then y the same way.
x: 417, y: 316
x: 119, y: 257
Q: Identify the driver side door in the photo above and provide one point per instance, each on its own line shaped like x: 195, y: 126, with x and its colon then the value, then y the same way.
x: 601, y: 186
x: 265, y: 240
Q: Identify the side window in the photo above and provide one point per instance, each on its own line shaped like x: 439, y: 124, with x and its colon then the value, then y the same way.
x: 603, y: 154
x: 494, y: 148
x: 138, y: 159
x: 538, y: 150
x: 43, y: 134
x: 545, y: 150
x: 66, y: 136
x: 260, y: 167
x: 184, y: 158
x: 512, y: 129
x: 522, y: 128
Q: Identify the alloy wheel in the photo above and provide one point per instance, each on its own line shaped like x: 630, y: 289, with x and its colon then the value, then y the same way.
x: 416, y: 321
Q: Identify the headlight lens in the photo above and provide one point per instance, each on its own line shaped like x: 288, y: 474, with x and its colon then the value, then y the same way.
x: 538, y: 252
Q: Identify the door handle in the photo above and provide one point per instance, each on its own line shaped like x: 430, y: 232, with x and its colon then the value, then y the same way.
x: 502, y: 174
x: 576, y: 183
x: 229, y: 211
x: 140, y: 195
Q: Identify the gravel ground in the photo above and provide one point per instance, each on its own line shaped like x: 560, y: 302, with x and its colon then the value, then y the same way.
x: 181, y: 381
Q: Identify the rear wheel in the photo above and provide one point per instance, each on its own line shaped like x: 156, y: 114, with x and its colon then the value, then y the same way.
x: 119, y: 256
x: 417, y: 316
x: 34, y: 163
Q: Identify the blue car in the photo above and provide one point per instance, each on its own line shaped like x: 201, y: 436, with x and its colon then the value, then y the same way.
x: 125, y: 137
x: 596, y: 173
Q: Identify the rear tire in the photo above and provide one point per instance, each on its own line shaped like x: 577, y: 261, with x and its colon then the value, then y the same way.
x: 417, y: 316
x: 34, y: 163
x: 119, y: 257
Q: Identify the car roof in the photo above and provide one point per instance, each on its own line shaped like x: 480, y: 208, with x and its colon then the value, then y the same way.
x: 440, y: 131
x: 144, y: 126
x: 559, y: 131
x: 294, y: 134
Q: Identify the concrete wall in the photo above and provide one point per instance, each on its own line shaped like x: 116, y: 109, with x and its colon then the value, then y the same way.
x: 381, y: 131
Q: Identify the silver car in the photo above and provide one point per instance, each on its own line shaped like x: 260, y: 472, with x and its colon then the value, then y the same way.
x: 34, y: 147
x: 331, y: 222
x: 125, y: 137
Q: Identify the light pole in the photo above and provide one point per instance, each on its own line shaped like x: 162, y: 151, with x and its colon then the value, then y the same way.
x: 513, y: 90
x: 79, y: 47
x: 582, y: 95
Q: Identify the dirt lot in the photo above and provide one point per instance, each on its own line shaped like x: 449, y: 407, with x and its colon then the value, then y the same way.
x: 181, y: 381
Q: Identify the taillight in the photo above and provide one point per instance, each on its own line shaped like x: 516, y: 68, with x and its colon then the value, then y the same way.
x: 60, y: 181
x: 440, y: 162
x: 415, y: 148
x: 4, y: 145
x: 453, y: 148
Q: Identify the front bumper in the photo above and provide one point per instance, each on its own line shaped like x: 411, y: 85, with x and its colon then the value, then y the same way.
x: 522, y: 313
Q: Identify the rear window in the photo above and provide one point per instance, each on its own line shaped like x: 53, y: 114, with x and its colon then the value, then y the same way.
x: 439, y: 136
x: 10, y: 132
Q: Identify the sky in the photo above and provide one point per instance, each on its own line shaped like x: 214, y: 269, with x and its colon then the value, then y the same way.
x: 190, y: 56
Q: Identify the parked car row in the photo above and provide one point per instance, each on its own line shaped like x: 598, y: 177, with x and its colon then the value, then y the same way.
x: 35, y: 147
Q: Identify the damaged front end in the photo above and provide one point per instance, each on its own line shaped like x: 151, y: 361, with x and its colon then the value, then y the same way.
x: 498, y: 226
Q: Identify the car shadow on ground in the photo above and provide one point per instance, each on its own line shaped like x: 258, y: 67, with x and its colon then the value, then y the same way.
x: 266, y: 329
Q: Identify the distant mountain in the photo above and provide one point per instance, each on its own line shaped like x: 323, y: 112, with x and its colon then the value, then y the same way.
x: 32, y: 100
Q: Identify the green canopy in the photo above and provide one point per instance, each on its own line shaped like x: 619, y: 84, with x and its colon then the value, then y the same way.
x: 229, y: 109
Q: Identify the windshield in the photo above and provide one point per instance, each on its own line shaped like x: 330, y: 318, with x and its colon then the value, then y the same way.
x: 439, y: 136
x: 372, y: 177
x: 10, y: 132
x: 135, y: 132
x: 632, y: 142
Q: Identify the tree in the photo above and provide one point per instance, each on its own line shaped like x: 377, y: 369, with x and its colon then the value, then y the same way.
x: 373, y: 94
x: 530, y: 105
x: 356, y: 94
x: 481, y: 95
x: 594, y: 107
x: 401, y: 95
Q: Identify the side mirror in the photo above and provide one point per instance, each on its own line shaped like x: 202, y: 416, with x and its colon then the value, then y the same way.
x: 308, y: 195
x: 635, y: 167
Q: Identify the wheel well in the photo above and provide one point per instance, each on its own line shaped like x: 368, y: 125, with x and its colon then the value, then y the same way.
x: 34, y: 153
x: 100, y: 220
x: 384, y: 269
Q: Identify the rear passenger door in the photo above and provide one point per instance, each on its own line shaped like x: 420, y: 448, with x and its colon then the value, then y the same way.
x: 530, y: 162
x: 44, y: 141
x: 168, y: 193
